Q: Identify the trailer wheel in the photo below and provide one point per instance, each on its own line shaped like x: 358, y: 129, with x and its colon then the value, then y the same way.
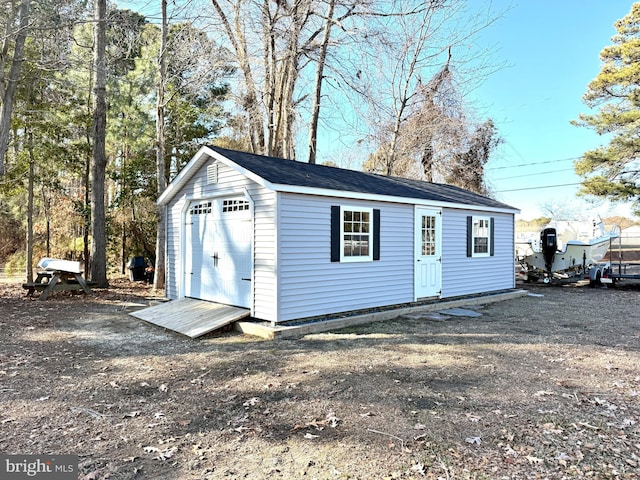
x: 593, y: 283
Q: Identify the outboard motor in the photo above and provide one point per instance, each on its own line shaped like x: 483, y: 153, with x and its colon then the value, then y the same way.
x: 549, y: 245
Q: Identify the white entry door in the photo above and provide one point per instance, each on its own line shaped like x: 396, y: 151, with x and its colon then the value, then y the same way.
x: 428, y: 253
x: 218, y: 251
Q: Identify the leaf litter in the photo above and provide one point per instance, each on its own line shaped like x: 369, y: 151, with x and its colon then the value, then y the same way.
x: 544, y: 386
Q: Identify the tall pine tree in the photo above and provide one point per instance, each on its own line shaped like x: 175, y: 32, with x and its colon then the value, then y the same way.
x: 612, y: 171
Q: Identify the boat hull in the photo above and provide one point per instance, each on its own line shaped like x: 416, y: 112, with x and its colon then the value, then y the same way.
x: 574, y: 256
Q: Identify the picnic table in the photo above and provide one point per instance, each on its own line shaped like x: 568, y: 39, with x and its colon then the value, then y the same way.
x: 57, y: 275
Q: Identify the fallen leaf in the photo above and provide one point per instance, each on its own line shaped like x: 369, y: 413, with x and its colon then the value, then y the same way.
x: 168, y: 453
x: 627, y: 422
x: 543, y: 393
x: 550, y: 428
x: 585, y: 425
x: 473, y: 418
x: 251, y: 402
x: 332, y: 420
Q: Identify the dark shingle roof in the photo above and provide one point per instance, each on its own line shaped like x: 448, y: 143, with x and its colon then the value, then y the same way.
x: 288, y: 172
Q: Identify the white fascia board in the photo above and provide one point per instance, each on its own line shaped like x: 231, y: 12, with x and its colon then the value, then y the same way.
x: 386, y: 198
x: 199, y: 159
x: 183, y: 176
x: 243, y: 171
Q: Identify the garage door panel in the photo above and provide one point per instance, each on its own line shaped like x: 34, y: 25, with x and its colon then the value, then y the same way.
x: 220, y: 254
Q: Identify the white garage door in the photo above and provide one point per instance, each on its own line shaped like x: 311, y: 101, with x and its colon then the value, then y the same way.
x: 218, y: 251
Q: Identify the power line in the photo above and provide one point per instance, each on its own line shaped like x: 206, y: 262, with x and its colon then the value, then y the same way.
x: 531, y: 174
x: 532, y: 164
x: 539, y: 188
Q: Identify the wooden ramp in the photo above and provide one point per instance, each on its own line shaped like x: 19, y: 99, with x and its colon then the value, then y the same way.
x: 191, y: 317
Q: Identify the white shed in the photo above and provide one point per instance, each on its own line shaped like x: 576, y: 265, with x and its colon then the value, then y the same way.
x: 290, y: 240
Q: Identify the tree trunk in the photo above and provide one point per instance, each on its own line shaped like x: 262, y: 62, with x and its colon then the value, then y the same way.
x: 317, y: 89
x: 29, y: 254
x: 12, y: 82
x: 99, y: 161
x: 250, y: 104
x: 86, y: 215
x: 159, y: 280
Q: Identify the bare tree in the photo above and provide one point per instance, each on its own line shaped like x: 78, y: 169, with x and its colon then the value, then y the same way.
x: 415, y: 104
x: 276, y: 56
x: 99, y: 158
x: 329, y: 23
x: 467, y: 164
x: 235, y: 31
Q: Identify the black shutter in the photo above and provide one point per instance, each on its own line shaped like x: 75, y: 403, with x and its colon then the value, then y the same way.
x: 376, y: 234
x: 469, y: 236
x: 491, y: 235
x: 335, y: 233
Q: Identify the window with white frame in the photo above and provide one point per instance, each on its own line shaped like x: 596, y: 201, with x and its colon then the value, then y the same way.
x: 234, y: 205
x: 201, y: 208
x: 481, y: 239
x: 356, y: 234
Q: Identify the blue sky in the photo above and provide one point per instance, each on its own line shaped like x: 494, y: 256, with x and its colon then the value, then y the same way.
x: 552, y: 49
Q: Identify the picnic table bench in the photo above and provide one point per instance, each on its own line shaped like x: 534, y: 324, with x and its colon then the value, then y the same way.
x: 57, y: 275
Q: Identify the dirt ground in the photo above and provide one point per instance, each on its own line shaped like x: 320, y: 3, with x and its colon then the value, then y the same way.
x: 546, y: 386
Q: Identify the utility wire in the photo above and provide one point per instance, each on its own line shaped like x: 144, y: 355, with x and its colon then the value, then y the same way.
x: 537, y: 173
x: 532, y: 163
x: 539, y: 188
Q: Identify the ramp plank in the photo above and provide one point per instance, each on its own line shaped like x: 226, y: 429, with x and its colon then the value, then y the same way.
x: 191, y: 317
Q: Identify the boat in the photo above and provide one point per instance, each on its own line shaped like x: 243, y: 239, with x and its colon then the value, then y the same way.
x: 56, y: 264
x: 564, y: 250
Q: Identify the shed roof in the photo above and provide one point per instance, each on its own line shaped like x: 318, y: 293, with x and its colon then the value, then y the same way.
x: 288, y: 175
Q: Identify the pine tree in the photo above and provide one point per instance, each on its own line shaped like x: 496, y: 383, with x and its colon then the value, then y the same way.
x: 612, y: 171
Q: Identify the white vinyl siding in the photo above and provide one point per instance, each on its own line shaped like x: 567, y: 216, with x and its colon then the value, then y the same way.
x: 463, y: 275
x: 264, y: 254
x: 293, y: 276
x: 310, y: 284
x: 229, y: 181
